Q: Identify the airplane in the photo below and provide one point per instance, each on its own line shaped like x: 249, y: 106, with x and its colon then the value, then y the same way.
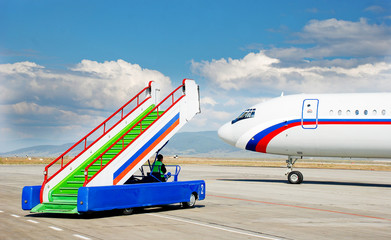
x: 352, y: 125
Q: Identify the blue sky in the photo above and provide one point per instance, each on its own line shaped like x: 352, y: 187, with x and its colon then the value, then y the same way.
x: 65, y: 65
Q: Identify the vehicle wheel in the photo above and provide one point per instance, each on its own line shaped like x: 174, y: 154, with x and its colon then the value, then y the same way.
x: 127, y: 211
x: 190, y: 203
x: 295, y: 177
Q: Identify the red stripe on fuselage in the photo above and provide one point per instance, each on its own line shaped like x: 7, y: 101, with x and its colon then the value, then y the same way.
x: 263, y: 143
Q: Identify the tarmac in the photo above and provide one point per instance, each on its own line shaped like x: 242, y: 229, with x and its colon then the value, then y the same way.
x: 241, y: 203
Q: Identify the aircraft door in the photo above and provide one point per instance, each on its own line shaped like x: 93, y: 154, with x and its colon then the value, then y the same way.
x: 309, y: 115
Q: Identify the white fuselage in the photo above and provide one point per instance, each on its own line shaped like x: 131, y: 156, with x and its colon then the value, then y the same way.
x: 328, y: 125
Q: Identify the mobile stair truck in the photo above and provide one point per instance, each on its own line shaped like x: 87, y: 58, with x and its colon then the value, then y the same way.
x: 102, y: 175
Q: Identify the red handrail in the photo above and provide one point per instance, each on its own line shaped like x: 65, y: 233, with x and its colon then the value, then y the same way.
x: 86, y: 180
x: 137, y: 96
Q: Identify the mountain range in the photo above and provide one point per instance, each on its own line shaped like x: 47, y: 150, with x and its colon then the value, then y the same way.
x: 196, y: 144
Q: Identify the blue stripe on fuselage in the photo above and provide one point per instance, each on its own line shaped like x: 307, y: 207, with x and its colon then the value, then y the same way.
x: 251, y: 145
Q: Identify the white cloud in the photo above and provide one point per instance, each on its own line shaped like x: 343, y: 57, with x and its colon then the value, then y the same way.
x: 241, y: 102
x: 255, y: 100
x: 208, y: 101
x: 20, y: 68
x: 36, y: 102
x: 209, y: 119
x: 121, y: 75
x: 89, y: 84
x: 346, y: 56
x: 333, y: 29
x: 374, y: 9
x: 226, y: 72
x: 231, y: 102
x: 338, y: 38
x: 25, y: 114
x: 31, y: 108
x: 257, y: 71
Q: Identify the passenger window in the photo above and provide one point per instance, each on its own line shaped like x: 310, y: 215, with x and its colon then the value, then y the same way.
x: 365, y: 112
x: 331, y: 112
x: 357, y: 112
x: 383, y: 112
x: 340, y: 112
x: 348, y: 112
x: 374, y: 112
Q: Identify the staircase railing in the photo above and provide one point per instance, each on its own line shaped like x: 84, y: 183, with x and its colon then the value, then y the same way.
x: 170, y: 97
x: 119, y: 114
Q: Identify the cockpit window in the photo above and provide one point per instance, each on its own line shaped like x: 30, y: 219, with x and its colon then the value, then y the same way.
x: 248, y: 113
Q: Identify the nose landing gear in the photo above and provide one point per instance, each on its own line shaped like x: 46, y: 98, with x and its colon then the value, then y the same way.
x: 294, y: 177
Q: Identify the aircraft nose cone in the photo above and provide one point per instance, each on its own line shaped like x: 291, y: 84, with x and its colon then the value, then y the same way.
x: 226, y: 134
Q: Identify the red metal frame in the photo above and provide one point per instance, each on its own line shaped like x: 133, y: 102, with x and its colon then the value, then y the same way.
x: 46, y: 171
x: 86, y: 180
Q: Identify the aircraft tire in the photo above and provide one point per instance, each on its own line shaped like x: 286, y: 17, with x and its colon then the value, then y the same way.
x: 191, y: 203
x: 295, y: 177
x: 127, y: 211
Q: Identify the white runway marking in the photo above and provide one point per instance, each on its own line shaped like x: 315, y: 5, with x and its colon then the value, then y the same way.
x: 80, y: 236
x: 32, y: 221
x: 55, y: 228
x: 1, y: 211
x: 13, y: 215
x: 215, y: 227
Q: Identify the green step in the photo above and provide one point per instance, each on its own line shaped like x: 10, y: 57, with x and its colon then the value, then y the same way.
x: 132, y: 134
x: 71, y: 198
x: 62, y: 203
x: 91, y: 169
x: 119, y: 145
x: 63, y: 197
x: 79, y: 176
x: 105, y: 160
x: 69, y: 188
x: 75, y: 182
x: 96, y: 165
x: 135, y: 130
x: 116, y: 148
x: 66, y: 211
x: 111, y: 153
x: 70, y: 191
x: 58, y: 207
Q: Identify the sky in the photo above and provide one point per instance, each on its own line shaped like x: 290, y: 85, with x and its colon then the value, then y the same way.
x: 65, y: 66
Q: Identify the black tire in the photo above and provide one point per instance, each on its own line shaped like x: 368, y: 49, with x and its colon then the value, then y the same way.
x: 191, y: 203
x: 127, y: 211
x: 295, y: 177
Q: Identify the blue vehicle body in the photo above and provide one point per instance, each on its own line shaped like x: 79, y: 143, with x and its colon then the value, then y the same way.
x: 30, y: 197
x: 138, y: 195
x: 139, y: 191
x: 91, y: 199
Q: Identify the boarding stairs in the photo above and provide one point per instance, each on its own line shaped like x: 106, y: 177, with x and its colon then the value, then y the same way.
x: 118, y: 147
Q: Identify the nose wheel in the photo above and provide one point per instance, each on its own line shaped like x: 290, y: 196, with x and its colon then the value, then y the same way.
x: 294, y: 177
